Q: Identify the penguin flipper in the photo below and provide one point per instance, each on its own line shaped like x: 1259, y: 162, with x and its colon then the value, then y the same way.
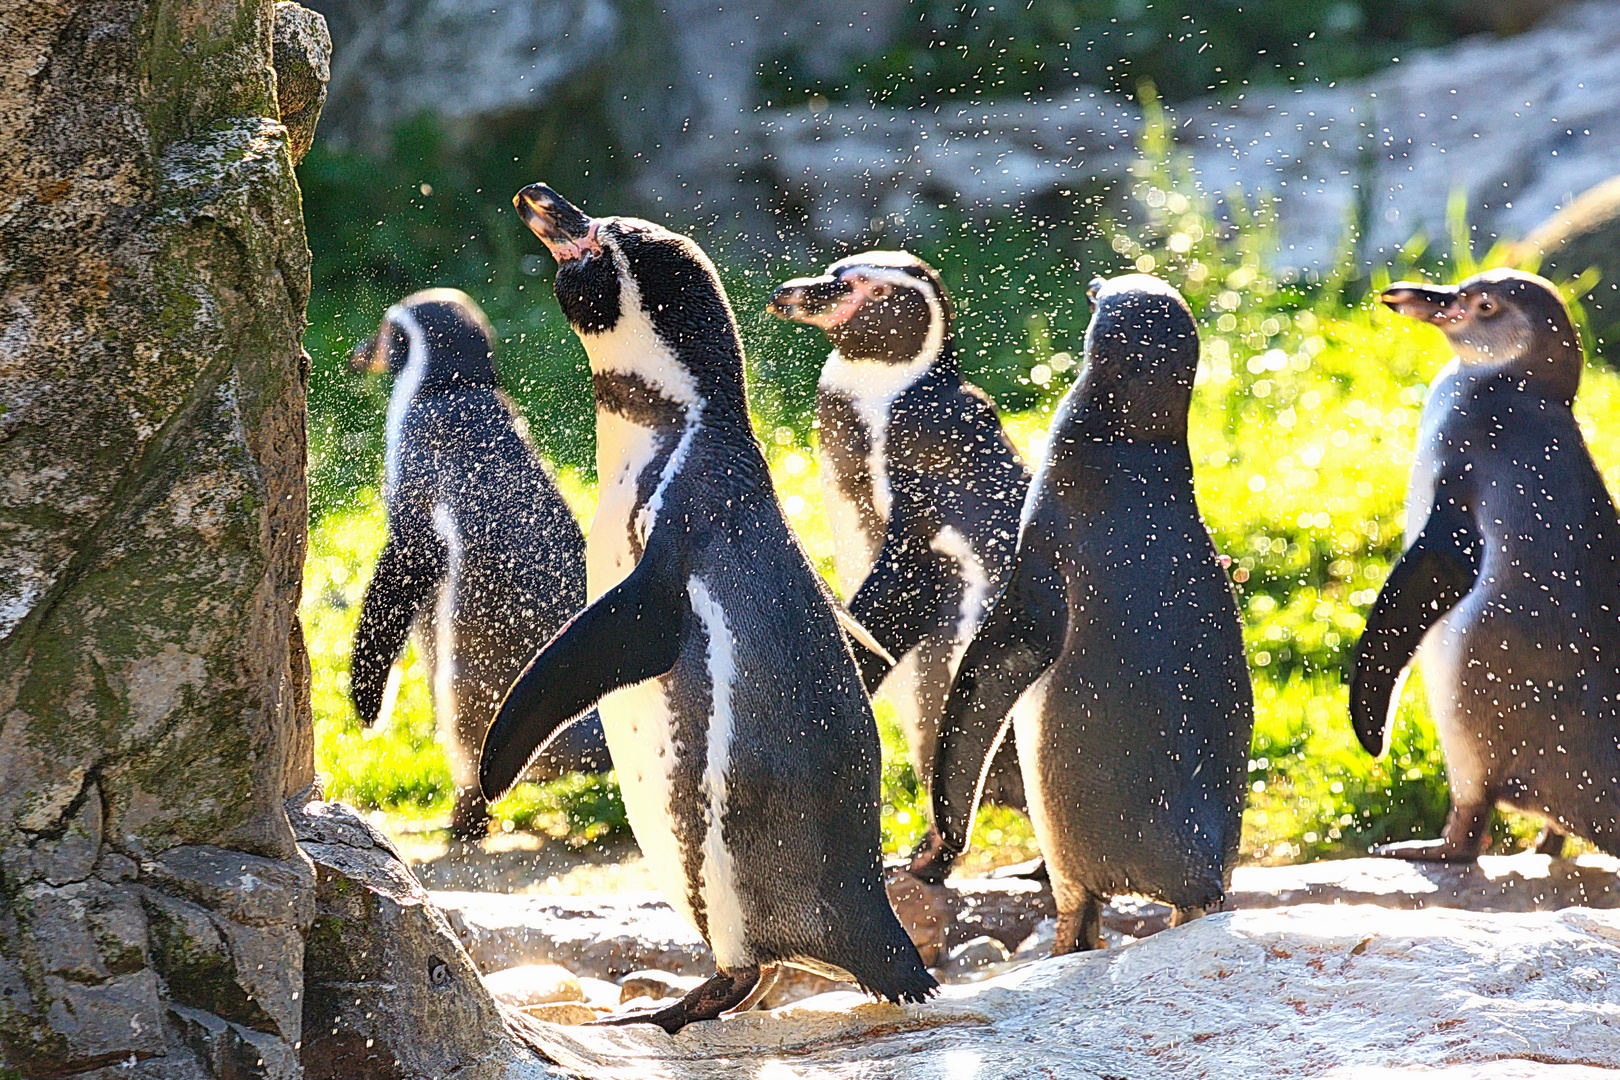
x: 408, y: 571
x: 900, y: 599
x: 631, y: 633
x: 1019, y: 639
x: 1427, y: 581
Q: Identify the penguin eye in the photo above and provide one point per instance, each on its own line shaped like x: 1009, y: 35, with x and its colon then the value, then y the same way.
x: 1486, y: 307
x: 880, y: 290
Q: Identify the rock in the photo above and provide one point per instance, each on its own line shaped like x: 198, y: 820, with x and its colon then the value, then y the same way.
x: 605, y: 937
x: 303, y: 53
x: 1039, y: 942
x: 388, y: 990
x: 1342, y: 992
x: 655, y: 985
x: 566, y: 1013
x: 971, y: 958
x: 533, y: 984
x: 1377, y: 155
x: 924, y: 910
x: 1523, y: 882
x: 1579, y: 236
x: 610, y: 936
x: 599, y: 993
x: 153, y: 691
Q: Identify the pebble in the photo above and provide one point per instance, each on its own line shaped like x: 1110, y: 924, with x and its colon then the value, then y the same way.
x: 567, y: 1013
x: 534, y: 984
x: 972, y: 957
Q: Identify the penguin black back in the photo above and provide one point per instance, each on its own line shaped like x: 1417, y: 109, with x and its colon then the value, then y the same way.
x: 481, y: 548
x: 1115, y: 654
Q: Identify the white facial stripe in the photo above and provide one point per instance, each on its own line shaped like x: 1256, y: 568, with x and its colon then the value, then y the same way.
x: 633, y: 346
x: 718, y: 885
x: 864, y: 275
x: 404, y: 392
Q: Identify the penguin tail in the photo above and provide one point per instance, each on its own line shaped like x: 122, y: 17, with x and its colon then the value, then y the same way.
x: 893, y: 970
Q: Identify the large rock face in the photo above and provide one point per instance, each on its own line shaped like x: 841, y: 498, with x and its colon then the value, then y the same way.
x: 153, y: 688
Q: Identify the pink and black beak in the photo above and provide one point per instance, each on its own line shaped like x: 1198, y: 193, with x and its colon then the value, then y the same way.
x: 1437, y: 304
x: 563, y: 227
x: 819, y: 301
x: 369, y: 356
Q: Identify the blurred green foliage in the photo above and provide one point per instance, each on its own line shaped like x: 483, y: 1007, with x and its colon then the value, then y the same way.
x: 1001, y: 48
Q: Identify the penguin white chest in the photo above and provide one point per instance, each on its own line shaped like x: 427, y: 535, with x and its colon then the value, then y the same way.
x: 641, y: 733
x: 872, y: 388
x: 623, y: 452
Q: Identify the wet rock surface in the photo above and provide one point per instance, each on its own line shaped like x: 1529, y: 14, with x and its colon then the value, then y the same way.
x: 388, y: 990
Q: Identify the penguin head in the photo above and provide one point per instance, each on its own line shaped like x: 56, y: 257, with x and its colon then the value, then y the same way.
x: 646, y: 302
x: 1141, y: 354
x: 883, y: 306
x: 439, y: 333
x: 1502, y: 319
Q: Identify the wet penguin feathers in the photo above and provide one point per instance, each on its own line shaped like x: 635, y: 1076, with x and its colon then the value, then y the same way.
x: 1509, y: 588
x: 743, y: 741
x: 1115, y: 654
x: 482, y: 555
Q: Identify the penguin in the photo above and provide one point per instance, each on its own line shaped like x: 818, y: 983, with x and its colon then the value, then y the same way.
x: 921, y: 483
x: 743, y: 738
x: 1508, y: 591
x: 1115, y: 653
x: 482, y: 552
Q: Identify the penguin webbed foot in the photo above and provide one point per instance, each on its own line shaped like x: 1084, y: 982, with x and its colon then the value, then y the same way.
x: 1464, y: 839
x: 1426, y: 851
x: 725, y: 992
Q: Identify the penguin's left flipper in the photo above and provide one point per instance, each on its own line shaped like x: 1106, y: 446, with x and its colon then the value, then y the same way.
x: 899, y: 600
x: 632, y: 632
x: 1019, y: 639
x: 851, y: 626
x: 1427, y: 581
x: 408, y: 571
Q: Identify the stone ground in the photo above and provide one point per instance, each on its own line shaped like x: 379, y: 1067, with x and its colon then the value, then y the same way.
x: 1348, y: 969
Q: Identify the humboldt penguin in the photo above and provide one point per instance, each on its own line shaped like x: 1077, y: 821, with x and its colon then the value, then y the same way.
x: 482, y: 553
x: 743, y: 738
x: 1509, y: 589
x: 1115, y: 654
x: 922, y: 485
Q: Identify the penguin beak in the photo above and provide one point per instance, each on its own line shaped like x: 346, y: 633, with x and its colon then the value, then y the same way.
x: 563, y: 227
x: 1426, y: 303
x: 818, y: 301
x: 367, y: 357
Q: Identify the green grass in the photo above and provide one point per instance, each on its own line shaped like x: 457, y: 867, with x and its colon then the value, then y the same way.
x: 1302, y: 427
